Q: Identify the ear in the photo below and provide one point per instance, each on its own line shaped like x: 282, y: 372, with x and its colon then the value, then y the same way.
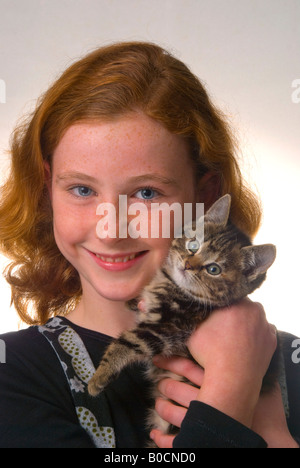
x: 258, y: 258
x: 219, y: 212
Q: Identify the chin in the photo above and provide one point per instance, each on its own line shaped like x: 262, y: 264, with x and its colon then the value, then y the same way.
x: 119, y: 293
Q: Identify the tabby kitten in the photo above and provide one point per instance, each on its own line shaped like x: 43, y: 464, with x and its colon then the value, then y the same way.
x: 196, y: 278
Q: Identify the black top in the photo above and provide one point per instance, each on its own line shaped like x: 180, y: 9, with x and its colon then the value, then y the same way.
x: 37, y: 409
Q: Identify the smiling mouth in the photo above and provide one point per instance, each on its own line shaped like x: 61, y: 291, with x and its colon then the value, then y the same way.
x: 120, y: 259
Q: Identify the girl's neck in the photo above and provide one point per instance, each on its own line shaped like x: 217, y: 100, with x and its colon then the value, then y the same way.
x: 108, y: 317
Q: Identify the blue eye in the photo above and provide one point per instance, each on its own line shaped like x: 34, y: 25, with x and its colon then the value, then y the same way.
x: 147, y: 193
x: 82, y: 191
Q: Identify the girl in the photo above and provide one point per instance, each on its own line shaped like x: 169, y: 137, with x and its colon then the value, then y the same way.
x: 128, y: 119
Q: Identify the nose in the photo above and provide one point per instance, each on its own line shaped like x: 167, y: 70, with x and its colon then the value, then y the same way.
x: 188, y: 266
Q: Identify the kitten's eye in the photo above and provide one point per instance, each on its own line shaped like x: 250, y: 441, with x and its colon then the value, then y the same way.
x: 213, y: 269
x: 193, y: 246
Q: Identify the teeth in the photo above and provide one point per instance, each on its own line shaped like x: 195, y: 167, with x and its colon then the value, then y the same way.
x: 116, y: 260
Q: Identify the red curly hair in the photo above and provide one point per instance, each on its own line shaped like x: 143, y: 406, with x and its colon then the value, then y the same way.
x: 107, y: 83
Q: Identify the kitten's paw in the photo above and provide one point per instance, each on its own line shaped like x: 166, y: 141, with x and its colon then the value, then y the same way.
x: 95, y: 387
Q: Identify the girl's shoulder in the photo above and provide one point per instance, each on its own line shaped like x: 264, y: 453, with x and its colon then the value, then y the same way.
x: 290, y: 348
x: 28, y: 358
x: 20, y: 336
x: 36, y: 405
x: 34, y: 351
x: 290, y: 345
x: 24, y: 345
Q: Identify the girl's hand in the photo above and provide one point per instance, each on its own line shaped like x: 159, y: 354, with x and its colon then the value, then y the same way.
x: 234, y: 346
x: 181, y: 393
x: 269, y: 418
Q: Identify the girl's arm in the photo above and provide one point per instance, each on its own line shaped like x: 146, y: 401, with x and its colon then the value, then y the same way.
x: 234, y: 346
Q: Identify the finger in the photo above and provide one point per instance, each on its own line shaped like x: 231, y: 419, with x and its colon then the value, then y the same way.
x: 162, y: 440
x: 170, y: 412
x: 180, y: 392
x: 181, y: 366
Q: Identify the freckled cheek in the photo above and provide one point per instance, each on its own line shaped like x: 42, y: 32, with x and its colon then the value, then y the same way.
x: 71, y: 227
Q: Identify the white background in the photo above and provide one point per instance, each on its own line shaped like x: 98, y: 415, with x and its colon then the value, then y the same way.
x: 247, y: 52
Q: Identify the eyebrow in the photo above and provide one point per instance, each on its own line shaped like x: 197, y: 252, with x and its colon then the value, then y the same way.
x: 155, y: 177
x: 135, y: 179
x: 75, y: 175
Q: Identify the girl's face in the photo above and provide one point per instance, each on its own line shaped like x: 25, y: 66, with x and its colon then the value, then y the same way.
x: 93, y: 164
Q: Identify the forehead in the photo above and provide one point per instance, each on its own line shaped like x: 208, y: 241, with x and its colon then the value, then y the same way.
x: 128, y: 143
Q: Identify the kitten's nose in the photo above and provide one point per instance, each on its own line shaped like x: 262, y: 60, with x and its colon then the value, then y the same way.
x: 188, y: 266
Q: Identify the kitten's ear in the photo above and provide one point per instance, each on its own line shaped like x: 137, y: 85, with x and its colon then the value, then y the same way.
x: 219, y: 212
x: 258, y: 259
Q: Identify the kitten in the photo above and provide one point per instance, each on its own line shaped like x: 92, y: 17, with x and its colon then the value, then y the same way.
x: 197, y: 278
